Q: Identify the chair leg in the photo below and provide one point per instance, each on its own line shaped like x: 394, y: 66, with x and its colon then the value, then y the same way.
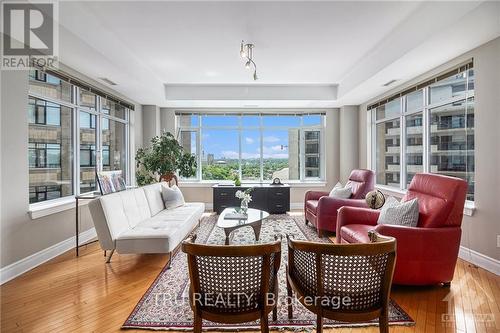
x: 197, y: 323
x: 108, y: 258
x: 170, y: 254
x: 275, y: 313
x: 264, y: 323
x: 320, y: 233
x: 383, y: 321
x: 319, y: 324
x: 289, y: 299
x: 307, y: 222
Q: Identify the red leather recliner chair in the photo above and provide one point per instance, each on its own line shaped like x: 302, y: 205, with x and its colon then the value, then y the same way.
x: 426, y: 254
x: 321, y: 210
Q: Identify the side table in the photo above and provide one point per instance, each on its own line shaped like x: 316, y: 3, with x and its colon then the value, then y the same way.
x: 77, y: 220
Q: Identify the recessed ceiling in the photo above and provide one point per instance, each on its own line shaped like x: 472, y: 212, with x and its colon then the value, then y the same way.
x: 147, y: 46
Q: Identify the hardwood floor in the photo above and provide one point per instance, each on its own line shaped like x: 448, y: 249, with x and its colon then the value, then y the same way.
x: 84, y: 294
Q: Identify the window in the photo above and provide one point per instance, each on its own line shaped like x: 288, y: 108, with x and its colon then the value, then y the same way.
x: 41, y: 112
x: 435, y: 126
x: 55, y: 108
x: 254, y: 147
x: 115, y: 140
x: 44, y: 155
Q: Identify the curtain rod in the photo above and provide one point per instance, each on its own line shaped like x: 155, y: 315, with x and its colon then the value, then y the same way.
x: 457, y: 70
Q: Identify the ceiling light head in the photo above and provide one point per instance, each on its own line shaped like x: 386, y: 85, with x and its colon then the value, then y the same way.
x: 243, y: 54
x: 246, y: 52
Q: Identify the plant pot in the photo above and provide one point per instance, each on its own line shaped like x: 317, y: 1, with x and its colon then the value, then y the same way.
x: 168, y: 177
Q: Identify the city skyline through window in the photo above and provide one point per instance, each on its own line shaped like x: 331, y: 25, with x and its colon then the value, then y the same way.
x: 62, y: 161
x: 254, y: 147
x: 428, y: 130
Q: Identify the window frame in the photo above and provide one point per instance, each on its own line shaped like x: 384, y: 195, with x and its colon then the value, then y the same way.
x: 76, y: 108
x: 261, y: 128
x: 425, y: 109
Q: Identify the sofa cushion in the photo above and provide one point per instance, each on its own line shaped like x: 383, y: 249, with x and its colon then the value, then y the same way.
x: 135, y: 206
x: 115, y: 218
x: 355, y: 233
x: 172, y: 196
x: 163, y: 232
x: 312, y: 205
x: 154, y: 198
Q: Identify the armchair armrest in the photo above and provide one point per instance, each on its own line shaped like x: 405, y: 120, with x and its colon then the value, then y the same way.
x: 439, y: 237
x: 425, y: 255
x: 315, y: 195
x: 329, y: 206
x: 355, y: 215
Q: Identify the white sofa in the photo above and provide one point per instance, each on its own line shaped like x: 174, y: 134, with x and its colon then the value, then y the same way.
x: 136, y: 221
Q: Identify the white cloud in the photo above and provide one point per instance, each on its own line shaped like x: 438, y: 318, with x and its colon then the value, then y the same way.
x: 249, y: 140
x: 271, y: 139
x: 231, y: 154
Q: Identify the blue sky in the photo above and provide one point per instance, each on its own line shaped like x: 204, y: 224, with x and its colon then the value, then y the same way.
x: 225, y: 143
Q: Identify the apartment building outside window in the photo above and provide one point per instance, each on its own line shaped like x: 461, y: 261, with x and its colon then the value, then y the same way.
x: 254, y: 147
x: 66, y: 144
x: 430, y: 129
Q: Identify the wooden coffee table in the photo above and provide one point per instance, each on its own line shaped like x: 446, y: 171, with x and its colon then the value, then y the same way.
x: 253, y: 219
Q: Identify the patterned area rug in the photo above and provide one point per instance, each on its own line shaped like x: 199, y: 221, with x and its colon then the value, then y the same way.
x: 165, y: 306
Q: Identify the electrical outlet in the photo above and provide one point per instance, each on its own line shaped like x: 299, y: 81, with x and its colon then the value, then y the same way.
x: 498, y: 240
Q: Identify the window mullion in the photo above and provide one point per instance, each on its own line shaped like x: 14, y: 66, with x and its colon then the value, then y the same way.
x: 76, y: 144
x: 302, y: 154
x: 261, y: 129
x: 426, y: 147
x: 240, y: 133
x: 98, y: 142
x: 402, y: 145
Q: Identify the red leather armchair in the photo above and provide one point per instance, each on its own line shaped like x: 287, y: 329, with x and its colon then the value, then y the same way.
x: 321, y: 210
x: 426, y: 254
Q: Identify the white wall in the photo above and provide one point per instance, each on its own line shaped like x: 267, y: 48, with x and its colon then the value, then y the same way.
x: 349, y: 141
x: 20, y: 235
x: 480, y: 231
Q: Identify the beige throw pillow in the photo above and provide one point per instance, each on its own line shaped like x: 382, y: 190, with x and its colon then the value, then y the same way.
x: 172, y: 196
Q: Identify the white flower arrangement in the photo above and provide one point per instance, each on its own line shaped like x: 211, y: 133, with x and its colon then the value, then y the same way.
x: 244, y: 196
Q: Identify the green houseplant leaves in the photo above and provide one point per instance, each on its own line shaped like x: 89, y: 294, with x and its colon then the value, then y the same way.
x: 162, y: 160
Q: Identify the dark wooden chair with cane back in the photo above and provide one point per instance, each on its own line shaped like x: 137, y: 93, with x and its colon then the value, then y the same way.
x: 345, y: 282
x: 233, y: 283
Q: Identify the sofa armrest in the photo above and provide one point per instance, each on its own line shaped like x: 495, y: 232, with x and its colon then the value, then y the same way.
x: 329, y: 206
x: 315, y: 195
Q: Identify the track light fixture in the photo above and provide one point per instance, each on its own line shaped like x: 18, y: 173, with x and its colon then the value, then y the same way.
x: 246, y: 52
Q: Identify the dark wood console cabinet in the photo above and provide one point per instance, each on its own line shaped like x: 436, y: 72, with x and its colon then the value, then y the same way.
x: 275, y: 199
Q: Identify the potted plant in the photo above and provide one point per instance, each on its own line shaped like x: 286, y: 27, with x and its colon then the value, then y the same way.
x: 162, y: 160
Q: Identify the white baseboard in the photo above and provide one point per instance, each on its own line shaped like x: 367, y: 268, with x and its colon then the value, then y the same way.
x: 17, y: 268
x: 479, y: 259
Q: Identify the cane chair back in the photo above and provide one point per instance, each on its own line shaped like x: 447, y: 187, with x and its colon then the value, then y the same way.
x: 244, y: 277
x: 350, y: 281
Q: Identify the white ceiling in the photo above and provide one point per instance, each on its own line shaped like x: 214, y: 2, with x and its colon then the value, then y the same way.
x: 153, y: 48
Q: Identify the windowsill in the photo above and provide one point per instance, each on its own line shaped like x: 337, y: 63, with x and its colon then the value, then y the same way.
x: 41, y: 209
x: 198, y: 184
x: 469, y: 207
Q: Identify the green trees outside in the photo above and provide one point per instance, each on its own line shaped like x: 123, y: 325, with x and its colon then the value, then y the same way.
x: 250, y: 169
